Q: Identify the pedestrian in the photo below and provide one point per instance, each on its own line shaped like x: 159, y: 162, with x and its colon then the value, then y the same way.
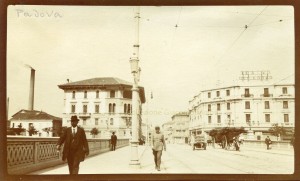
x: 113, y: 141
x: 75, y: 145
x: 268, y: 142
x: 236, y: 144
x: 158, y: 144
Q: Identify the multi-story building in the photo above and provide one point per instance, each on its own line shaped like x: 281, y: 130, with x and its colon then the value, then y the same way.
x: 102, y: 103
x: 167, y: 129
x: 180, y: 127
x: 254, y: 107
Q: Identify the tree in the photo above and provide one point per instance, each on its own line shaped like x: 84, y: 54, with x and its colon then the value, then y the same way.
x: 32, y: 130
x: 94, y: 132
x: 48, y: 129
x: 278, y: 131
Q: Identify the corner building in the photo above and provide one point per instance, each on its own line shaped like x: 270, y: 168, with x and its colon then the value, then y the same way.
x: 254, y: 107
x: 102, y: 103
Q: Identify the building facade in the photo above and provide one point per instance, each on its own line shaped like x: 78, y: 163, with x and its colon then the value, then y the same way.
x: 39, y: 120
x: 180, y: 127
x: 101, y: 103
x: 254, y: 107
x: 167, y: 129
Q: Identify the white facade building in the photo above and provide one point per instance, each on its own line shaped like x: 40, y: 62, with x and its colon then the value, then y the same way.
x: 254, y: 107
x: 102, y: 103
x: 37, y: 119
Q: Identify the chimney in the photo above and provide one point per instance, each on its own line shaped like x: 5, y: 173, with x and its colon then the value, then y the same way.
x: 31, y: 90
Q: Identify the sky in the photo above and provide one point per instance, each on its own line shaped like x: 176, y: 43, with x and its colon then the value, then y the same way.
x: 183, y: 50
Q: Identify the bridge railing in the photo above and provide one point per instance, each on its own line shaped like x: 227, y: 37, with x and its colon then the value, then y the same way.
x: 29, y: 154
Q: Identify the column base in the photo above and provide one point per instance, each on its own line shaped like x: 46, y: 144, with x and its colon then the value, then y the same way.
x: 135, y: 164
x: 134, y: 161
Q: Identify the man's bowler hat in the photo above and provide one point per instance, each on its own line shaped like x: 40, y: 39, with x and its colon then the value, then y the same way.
x: 74, y: 118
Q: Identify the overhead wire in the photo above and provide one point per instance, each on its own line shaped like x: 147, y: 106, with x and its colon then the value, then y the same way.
x: 239, y: 36
x: 233, y: 43
x: 284, y: 78
x: 278, y: 21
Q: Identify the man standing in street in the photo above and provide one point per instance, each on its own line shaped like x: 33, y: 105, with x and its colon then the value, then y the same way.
x: 75, y: 145
x: 158, y: 144
x: 268, y: 142
x: 113, y: 141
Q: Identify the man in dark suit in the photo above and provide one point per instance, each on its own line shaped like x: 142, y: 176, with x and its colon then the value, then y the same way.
x: 75, y: 145
x: 113, y: 141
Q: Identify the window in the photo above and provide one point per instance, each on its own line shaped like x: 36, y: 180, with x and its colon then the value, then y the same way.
x: 248, y: 118
x: 218, y: 93
x: 84, y: 108
x: 208, y: 94
x: 219, y: 118
x: 228, y: 106
x: 209, y: 107
x: 96, y: 121
x: 247, y: 105
x: 267, y: 105
x: 266, y: 91
x: 284, y: 90
x: 228, y: 116
x: 286, y: 118
x: 73, y: 109
x: 125, y: 108
x: 97, y: 94
x: 114, y: 108
x: 110, y: 108
x: 127, y: 94
x: 73, y: 94
x: 128, y: 108
x: 97, y: 108
x: 267, y: 118
x: 285, y: 105
x: 111, y: 121
x: 84, y: 121
x: 112, y: 94
x: 218, y: 107
x: 85, y: 94
x: 247, y: 93
x: 227, y: 92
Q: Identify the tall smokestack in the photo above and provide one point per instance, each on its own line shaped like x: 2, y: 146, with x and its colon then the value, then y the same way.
x: 31, y: 90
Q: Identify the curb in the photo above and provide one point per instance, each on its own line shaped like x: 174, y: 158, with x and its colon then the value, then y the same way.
x: 289, y: 154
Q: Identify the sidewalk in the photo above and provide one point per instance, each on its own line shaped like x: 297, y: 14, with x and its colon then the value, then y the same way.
x: 289, y: 152
x: 112, y: 162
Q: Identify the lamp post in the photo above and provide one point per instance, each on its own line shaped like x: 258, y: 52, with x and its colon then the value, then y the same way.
x: 135, y: 70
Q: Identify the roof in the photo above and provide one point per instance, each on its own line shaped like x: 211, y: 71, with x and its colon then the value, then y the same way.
x: 101, y: 82
x: 33, y: 115
x: 181, y: 114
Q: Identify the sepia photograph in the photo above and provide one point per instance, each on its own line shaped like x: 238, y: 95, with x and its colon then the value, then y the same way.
x: 156, y: 90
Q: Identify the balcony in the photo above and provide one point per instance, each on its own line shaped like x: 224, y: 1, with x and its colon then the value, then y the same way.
x: 84, y: 115
x: 217, y: 98
x: 266, y: 95
x: 247, y: 95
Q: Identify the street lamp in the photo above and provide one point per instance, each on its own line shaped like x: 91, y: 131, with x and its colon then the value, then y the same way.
x: 135, y: 70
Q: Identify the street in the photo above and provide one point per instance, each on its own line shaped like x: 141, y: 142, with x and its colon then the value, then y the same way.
x: 225, y: 161
x: 182, y: 159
